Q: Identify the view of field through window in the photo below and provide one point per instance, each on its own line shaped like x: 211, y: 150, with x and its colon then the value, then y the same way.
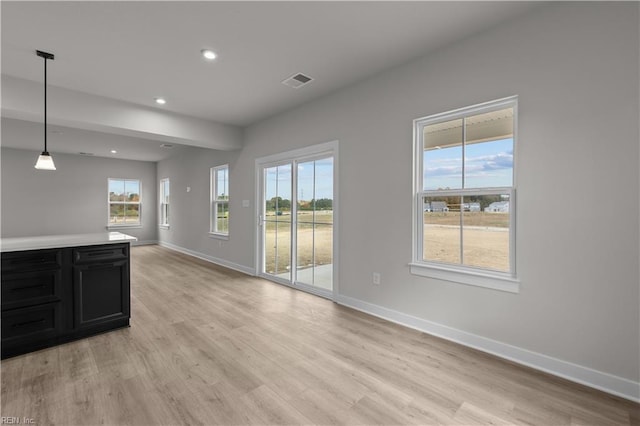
x: 124, y: 202
x: 220, y: 199
x: 313, y: 226
x: 467, y: 168
x: 485, y: 231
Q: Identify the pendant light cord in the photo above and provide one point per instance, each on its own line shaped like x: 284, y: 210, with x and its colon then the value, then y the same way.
x: 45, y: 105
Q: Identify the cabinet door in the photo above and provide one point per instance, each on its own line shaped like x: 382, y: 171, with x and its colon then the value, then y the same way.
x: 101, y: 293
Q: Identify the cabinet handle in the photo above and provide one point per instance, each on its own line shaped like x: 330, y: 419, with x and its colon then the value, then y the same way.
x: 16, y: 290
x: 22, y: 324
x: 29, y: 260
x: 100, y: 265
x: 100, y: 253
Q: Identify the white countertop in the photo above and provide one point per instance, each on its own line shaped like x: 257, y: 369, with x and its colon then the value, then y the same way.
x: 57, y: 241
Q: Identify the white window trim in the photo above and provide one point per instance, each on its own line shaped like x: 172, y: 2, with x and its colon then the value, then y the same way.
x: 504, y: 281
x: 109, y: 202
x: 213, y: 211
x: 166, y: 224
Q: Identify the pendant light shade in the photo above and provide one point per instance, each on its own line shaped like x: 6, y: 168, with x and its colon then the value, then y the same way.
x: 45, y: 161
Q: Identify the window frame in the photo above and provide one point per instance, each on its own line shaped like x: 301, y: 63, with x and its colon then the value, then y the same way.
x: 458, y: 273
x: 125, y: 203
x: 164, y: 213
x: 214, y: 202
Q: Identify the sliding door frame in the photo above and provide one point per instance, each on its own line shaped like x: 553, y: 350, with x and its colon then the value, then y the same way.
x: 314, y: 152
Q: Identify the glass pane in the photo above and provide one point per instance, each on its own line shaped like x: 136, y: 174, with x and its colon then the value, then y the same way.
x: 486, y: 231
x: 315, y: 191
x: 277, y: 225
x: 222, y: 187
x: 164, y: 211
x: 489, y: 149
x: 116, y: 190
x: 278, y: 192
x: 131, y: 213
x: 489, y: 126
x: 116, y: 214
x: 305, y: 255
x: 306, y: 191
x: 132, y: 190
x: 315, y: 254
x: 270, y: 249
x: 283, y: 246
x: 441, y: 236
x: 222, y: 217
x: 323, y: 260
x: 442, y: 156
x: 324, y: 190
x: 165, y: 192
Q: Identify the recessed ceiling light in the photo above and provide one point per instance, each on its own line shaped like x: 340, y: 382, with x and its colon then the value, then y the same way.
x: 208, y: 54
x: 113, y: 151
x: 161, y: 101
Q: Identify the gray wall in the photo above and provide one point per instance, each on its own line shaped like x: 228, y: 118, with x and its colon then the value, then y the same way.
x: 575, y: 69
x: 71, y: 200
x: 189, y: 211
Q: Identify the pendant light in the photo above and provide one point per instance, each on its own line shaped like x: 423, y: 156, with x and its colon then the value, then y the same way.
x: 45, y: 162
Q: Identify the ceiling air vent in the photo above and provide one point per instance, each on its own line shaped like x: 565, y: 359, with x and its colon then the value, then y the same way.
x: 297, y: 80
x: 89, y: 154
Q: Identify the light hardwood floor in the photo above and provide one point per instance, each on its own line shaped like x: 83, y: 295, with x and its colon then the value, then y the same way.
x: 212, y: 346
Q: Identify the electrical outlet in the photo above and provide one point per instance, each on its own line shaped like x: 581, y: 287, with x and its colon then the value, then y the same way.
x: 376, y: 278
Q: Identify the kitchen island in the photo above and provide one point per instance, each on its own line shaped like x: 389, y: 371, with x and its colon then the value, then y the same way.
x: 60, y: 288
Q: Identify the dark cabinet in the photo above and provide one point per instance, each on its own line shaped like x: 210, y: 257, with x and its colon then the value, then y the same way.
x: 101, y: 289
x: 55, y: 296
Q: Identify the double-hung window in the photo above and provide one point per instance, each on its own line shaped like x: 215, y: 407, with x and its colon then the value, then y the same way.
x: 124, y: 202
x: 220, y: 200
x: 164, y: 203
x: 464, y: 199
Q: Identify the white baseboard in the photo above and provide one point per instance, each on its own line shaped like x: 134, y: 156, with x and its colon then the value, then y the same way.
x: 215, y: 260
x: 576, y: 373
x: 144, y: 242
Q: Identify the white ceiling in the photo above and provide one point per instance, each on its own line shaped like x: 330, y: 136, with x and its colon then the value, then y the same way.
x: 135, y: 51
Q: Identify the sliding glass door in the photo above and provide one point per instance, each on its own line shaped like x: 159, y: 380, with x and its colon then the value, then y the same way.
x: 296, y: 218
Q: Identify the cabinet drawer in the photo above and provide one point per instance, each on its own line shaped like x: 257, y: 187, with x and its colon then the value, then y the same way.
x: 31, y: 323
x: 100, y: 253
x: 30, y: 288
x: 31, y: 260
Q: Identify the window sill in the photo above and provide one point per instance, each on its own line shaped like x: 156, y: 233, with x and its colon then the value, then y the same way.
x: 137, y: 226
x: 164, y: 226
x: 219, y: 236
x: 495, y: 281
